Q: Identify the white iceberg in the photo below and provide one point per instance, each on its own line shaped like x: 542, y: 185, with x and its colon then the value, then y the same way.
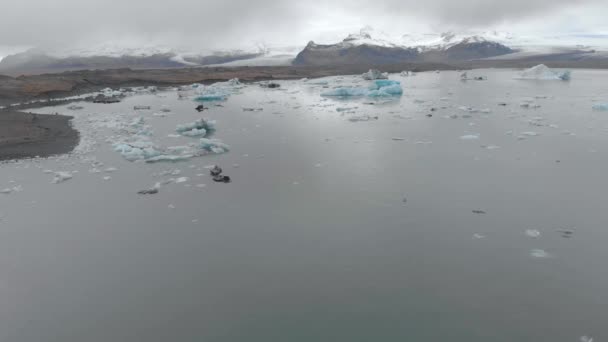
x: 61, y: 177
x: 213, y: 146
x: 198, y: 128
x: 542, y: 72
x: 374, y: 74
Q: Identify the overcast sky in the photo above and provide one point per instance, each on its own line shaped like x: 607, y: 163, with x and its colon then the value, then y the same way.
x: 236, y: 23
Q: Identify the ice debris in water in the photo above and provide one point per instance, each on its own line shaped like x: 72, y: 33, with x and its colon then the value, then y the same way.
x: 61, y: 176
x: 213, y: 145
x: 7, y: 191
x: 542, y: 72
x: 470, y: 137
x: 374, y: 74
x: 601, y: 107
x: 379, y: 88
x: 216, y: 92
x: 533, y: 233
x: 198, y: 128
x: 539, y: 253
x: 586, y: 339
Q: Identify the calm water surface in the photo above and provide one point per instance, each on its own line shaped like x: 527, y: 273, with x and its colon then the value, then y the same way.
x: 313, y: 241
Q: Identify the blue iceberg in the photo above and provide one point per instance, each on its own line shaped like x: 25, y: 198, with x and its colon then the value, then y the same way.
x: 379, y: 88
x: 601, y: 107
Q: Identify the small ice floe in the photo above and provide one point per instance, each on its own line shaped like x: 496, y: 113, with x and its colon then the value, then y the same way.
x: 198, y: 128
x: 490, y: 147
x: 398, y: 139
x: 478, y: 236
x: 62, y: 176
x: 9, y: 191
x: 374, y: 74
x: 362, y: 118
x: 152, y: 191
x: 252, y: 109
x: 110, y: 170
x: 600, y: 107
x: 171, y: 206
x: 107, y: 178
x: 533, y: 233
x: 75, y: 107
x: 470, y: 137
x: 215, y: 146
x: 181, y: 180
x: 566, y: 233
x: 539, y: 253
x: 586, y: 339
x: 346, y: 109
x: 542, y: 72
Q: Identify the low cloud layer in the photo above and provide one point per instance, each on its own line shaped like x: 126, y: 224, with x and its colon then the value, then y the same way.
x: 221, y: 24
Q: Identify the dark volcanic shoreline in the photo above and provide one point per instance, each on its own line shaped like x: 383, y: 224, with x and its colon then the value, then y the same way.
x: 25, y: 135
x: 53, y: 86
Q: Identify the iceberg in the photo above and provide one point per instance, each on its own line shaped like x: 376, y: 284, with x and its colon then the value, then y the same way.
x: 141, y: 149
x: 374, y: 74
x: 215, y: 146
x: 542, y: 72
x: 601, y: 107
x: 198, y: 128
x: 61, y: 176
x: 218, y: 91
x: 379, y: 88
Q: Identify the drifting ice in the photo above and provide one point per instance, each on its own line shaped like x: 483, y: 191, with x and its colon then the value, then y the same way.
x: 601, y: 107
x: 198, y: 128
x: 213, y: 145
x: 61, y: 177
x: 542, y: 72
x: 380, y: 88
x: 374, y: 74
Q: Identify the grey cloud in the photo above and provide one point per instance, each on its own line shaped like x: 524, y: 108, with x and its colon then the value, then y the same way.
x: 217, y: 23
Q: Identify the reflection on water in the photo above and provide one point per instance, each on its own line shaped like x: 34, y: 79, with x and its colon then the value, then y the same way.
x: 443, y: 219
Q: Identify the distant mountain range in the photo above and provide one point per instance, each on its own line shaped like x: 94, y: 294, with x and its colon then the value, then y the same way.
x: 367, y: 47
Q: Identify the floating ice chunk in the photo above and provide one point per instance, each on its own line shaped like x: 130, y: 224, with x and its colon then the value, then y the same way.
x: 359, y: 118
x: 61, y: 176
x: 379, y: 88
x: 601, y: 107
x: 539, y: 253
x: 586, y: 339
x: 213, y: 145
x: 346, y: 92
x: 346, y: 109
x: 182, y: 180
x: 374, y: 74
x: 470, y: 137
x: 9, y: 191
x: 198, y: 128
x: 169, y: 158
x: 140, y: 149
x: 75, y: 107
x: 478, y: 236
x: 533, y: 233
x: 542, y: 72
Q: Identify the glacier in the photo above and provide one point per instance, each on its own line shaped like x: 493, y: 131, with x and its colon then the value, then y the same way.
x: 543, y: 72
